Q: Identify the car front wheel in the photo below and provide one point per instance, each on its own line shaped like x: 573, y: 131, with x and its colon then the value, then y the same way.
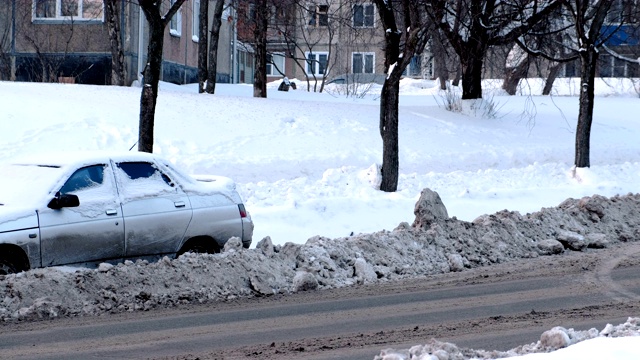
x: 10, y: 263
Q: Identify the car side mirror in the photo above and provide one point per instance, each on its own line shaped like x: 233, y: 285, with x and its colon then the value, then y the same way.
x: 64, y: 200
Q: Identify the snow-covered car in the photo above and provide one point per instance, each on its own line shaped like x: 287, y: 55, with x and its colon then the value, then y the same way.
x: 61, y: 209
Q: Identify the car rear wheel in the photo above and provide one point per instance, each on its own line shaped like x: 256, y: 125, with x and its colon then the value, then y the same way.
x: 200, y: 246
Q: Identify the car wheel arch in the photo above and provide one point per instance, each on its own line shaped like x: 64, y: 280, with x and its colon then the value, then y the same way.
x: 13, y: 259
x: 200, y: 244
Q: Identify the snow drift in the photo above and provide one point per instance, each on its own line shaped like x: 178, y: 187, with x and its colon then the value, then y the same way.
x: 434, y: 244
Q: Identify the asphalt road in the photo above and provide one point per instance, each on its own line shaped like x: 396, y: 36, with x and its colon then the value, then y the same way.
x: 497, y: 307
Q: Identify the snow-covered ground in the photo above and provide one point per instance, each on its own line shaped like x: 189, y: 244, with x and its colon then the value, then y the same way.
x: 619, y: 342
x: 306, y: 163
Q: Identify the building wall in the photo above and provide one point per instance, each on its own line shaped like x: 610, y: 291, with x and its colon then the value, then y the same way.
x: 60, y: 49
x: 56, y: 49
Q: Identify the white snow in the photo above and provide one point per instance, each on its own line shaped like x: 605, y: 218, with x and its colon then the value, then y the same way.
x: 307, y: 164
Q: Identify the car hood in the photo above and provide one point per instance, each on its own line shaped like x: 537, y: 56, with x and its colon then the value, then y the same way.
x: 26, y: 185
x: 17, y: 218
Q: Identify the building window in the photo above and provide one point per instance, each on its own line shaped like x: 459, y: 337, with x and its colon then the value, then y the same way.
x: 317, y: 63
x: 319, y: 15
x: 611, y: 66
x: 415, y: 67
x: 363, y: 63
x: 363, y: 15
x: 615, y: 13
x: 79, y: 10
x: 570, y: 69
x: 175, y: 25
x: 275, y: 64
x: 250, y: 12
x: 195, y: 21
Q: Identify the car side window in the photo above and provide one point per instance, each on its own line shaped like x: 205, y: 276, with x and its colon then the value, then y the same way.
x: 84, y: 178
x: 143, y: 170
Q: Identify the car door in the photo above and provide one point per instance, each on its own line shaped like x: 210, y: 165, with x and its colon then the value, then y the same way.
x: 156, y: 210
x: 91, y: 231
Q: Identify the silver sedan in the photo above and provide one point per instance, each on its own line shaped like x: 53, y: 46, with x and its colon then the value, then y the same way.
x: 84, y: 208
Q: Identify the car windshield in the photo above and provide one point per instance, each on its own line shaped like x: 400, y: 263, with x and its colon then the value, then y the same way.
x: 26, y: 184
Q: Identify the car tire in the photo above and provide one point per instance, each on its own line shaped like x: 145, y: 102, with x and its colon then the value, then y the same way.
x: 10, y: 262
x: 199, y: 246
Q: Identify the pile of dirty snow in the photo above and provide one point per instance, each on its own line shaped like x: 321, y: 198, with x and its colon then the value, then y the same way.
x: 433, y: 244
x: 551, y: 340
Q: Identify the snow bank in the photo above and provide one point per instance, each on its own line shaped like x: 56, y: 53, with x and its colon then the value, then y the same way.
x: 434, y: 244
x: 551, y: 340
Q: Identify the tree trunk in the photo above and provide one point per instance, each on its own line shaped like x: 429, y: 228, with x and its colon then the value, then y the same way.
x: 150, y: 88
x: 112, y: 17
x: 389, y: 100
x: 260, y: 35
x: 157, y: 24
x: 472, y: 76
x: 213, y: 46
x: 203, y: 19
x: 395, y: 63
x: 514, y: 75
x: 440, y: 58
x: 588, y: 62
x: 554, y: 71
x: 456, y: 79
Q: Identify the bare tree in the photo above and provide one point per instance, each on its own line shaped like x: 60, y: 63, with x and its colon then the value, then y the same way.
x: 208, y: 45
x: 550, y: 36
x: 112, y: 12
x: 214, y: 40
x: 203, y: 29
x: 401, y: 44
x: 261, y: 17
x: 517, y: 67
x: 473, y: 26
x: 588, y: 17
x: 309, y: 29
x: 157, y: 23
x: 441, y: 55
x: 587, y: 20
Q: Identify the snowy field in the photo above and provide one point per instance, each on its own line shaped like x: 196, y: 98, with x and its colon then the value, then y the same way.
x: 306, y: 163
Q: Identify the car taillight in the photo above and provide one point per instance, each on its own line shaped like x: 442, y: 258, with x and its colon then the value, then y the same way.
x: 243, y: 211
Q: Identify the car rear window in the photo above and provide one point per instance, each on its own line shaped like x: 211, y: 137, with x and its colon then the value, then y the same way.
x: 142, y: 170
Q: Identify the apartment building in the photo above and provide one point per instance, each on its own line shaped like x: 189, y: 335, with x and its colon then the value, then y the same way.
x: 68, y: 41
x: 321, y: 39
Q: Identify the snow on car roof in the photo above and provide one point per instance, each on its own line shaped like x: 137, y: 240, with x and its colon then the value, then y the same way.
x: 65, y: 159
x: 27, y: 179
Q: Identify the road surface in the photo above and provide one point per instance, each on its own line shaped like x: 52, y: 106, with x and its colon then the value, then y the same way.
x: 497, y: 307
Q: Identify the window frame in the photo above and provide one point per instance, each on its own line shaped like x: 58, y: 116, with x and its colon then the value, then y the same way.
x: 273, y: 70
x: 318, y: 17
x: 175, y: 24
x: 316, y: 60
x: 58, y: 17
x: 364, y: 62
x: 195, y: 21
x: 372, y: 16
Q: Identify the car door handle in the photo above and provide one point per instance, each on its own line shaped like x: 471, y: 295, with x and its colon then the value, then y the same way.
x: 112, y: 212
x: 179, y: 204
